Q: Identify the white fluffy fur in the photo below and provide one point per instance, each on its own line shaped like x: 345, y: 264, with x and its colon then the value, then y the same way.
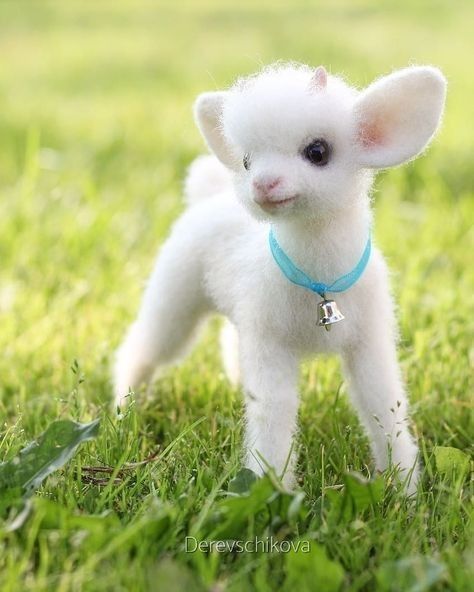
x: 217, y: 257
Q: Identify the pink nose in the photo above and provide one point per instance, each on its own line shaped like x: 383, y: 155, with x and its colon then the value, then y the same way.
x: 264, y: 187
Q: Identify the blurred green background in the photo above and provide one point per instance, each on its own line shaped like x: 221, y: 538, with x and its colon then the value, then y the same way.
x: 96, y: 133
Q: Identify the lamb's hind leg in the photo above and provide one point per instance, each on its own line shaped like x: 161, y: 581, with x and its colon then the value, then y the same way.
x: 172, y: 307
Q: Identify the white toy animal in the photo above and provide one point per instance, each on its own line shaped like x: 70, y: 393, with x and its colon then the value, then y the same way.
x: 297, y: 150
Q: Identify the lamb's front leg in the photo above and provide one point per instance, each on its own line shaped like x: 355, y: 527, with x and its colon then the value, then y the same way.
x: 269, y: 380
x: 377, y: 391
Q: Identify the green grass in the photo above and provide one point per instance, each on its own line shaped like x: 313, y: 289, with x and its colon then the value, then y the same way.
x: 96, y: 132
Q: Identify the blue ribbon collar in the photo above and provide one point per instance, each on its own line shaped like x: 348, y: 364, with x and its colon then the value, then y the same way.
x: 299, y: 277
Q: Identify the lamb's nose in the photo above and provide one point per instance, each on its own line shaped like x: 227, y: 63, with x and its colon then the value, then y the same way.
x: 264, y: 187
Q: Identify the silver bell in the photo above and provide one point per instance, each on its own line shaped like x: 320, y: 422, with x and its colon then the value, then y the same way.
x: 329, y: 314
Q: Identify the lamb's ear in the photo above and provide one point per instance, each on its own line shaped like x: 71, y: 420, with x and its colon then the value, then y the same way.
x: 207, y: 113
x: 398, y: 115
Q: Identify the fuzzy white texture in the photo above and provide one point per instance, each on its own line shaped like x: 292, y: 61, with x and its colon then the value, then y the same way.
x: 217, y: 257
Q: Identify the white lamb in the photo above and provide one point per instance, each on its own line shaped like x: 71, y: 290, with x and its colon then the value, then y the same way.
x: 297, y: 150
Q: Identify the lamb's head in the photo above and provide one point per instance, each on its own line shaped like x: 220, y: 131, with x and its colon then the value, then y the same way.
x: 303, y: 143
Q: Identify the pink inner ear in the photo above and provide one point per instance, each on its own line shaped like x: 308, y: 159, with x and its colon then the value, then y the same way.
x: 370, y: 134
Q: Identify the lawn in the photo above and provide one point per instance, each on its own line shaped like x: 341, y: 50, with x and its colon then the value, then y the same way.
x: 96, y: 133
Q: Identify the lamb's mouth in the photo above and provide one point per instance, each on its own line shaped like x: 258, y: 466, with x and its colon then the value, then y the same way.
x: 272, y: 205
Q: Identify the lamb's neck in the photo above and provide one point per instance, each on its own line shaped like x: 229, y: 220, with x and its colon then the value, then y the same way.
x: 326, y: 249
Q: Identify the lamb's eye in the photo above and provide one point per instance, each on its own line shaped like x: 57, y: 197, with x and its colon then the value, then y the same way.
x: 318, y: 152
x: 246, y: 161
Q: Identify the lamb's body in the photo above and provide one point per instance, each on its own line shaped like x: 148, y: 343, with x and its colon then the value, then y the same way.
x: 217, y: 259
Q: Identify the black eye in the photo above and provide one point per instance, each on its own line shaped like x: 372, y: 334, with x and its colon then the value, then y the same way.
x: 246, y: 161
x: 318, y: 152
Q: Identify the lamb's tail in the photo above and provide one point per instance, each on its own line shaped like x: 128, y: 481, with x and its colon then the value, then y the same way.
x: 206, y: 177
